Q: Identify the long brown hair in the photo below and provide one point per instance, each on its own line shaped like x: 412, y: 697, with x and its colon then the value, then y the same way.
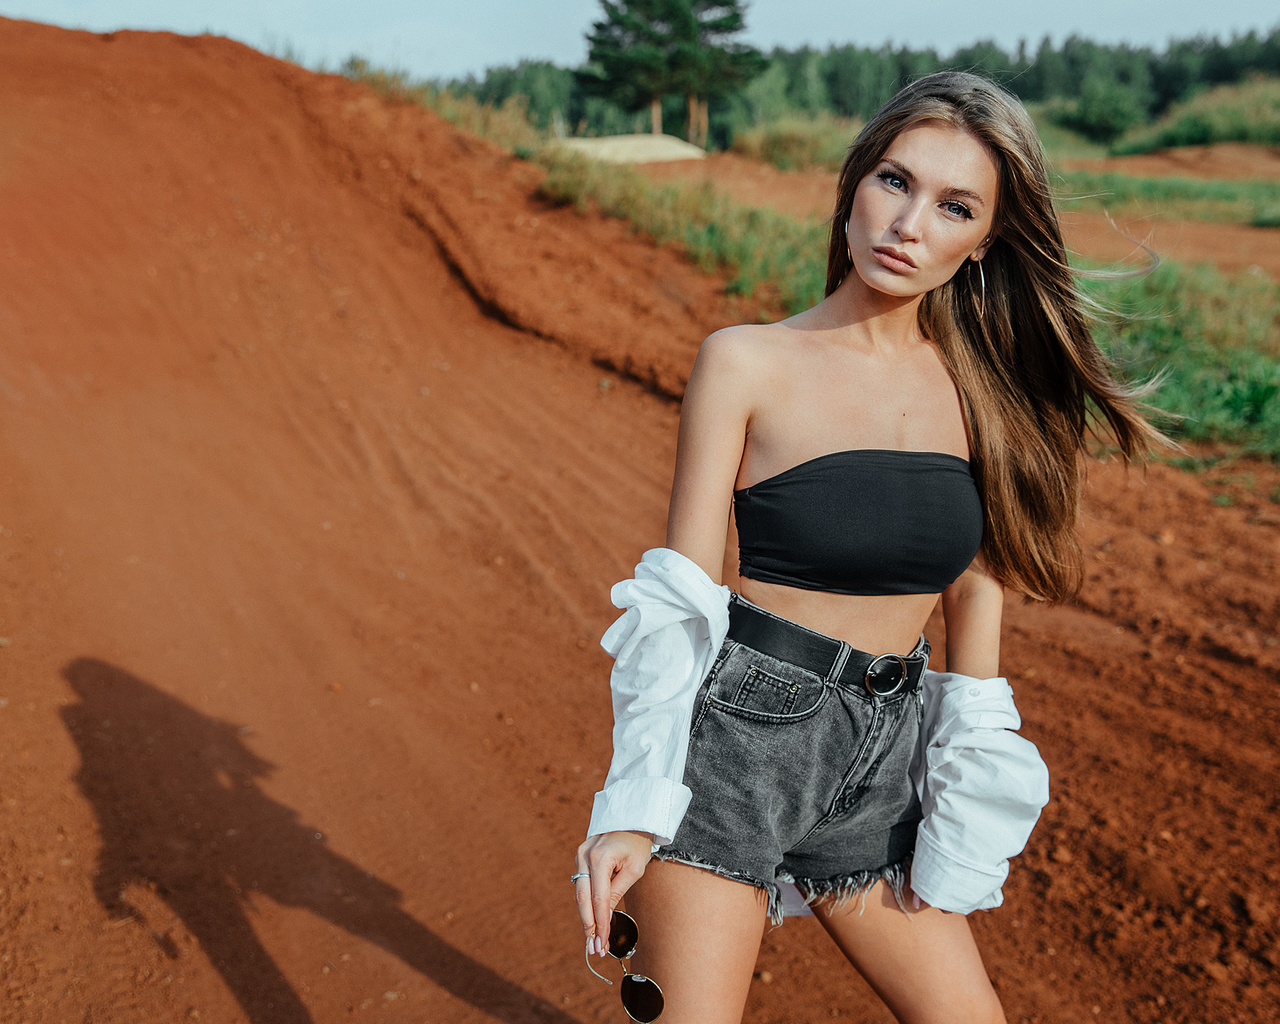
x: 1019, y: 348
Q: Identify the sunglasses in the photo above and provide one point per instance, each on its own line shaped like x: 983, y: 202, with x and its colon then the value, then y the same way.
x: 641, y: 997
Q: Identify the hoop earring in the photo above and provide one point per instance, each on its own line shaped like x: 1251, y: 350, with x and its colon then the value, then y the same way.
x: 982, y: 300
x: 847, y: 246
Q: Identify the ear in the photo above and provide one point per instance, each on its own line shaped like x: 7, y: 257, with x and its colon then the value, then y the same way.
x: 981, y: 251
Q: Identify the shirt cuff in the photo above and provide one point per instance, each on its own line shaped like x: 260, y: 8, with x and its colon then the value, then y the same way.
x: 949, y: 884
x: 654, y: 805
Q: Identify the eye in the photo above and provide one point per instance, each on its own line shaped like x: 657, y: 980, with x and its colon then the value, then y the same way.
x: 957, y: 209
x: 893, y: 179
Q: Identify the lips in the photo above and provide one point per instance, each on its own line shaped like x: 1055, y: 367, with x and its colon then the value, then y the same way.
x: 893, y: 258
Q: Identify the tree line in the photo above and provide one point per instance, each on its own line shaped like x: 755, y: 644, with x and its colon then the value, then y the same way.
x: 1098, y: 89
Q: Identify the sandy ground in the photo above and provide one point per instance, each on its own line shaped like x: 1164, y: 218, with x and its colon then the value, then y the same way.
x: 633, y: 149
x: 322, y: 441
x: 1228, y: 246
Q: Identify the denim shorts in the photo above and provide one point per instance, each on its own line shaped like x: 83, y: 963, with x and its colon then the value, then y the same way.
x: 797, y: 777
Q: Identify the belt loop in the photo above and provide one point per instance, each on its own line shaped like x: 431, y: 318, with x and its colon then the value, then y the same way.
x: 923, y: 647
x: 842, y: 656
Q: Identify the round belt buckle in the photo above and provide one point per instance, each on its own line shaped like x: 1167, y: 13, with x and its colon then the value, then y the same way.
x: 886, y: 675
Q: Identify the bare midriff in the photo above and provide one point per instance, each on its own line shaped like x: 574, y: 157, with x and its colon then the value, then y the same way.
x: 879, y: 624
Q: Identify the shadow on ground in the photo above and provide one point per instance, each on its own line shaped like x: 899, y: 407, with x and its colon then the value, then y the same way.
x: 180, y: 810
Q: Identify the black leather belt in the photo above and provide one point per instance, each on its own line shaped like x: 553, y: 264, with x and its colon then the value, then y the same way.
x: 884, y: 675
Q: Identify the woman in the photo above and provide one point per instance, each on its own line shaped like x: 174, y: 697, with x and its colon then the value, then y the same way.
x: 915, y: 435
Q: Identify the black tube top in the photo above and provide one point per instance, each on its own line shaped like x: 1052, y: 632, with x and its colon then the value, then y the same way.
x: 865, y: 521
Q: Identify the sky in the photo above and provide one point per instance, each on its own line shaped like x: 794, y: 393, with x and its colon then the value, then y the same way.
x: 447, y: 38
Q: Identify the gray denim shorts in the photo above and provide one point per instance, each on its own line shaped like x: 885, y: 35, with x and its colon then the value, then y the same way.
x: 797, y: 778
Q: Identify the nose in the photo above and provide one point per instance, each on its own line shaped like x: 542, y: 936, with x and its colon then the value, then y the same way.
x: 907, y: 223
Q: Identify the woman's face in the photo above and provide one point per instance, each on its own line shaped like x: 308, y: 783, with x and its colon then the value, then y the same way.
x: 925, y: 208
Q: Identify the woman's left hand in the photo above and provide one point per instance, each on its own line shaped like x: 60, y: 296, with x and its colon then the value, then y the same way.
x: 608, y: 865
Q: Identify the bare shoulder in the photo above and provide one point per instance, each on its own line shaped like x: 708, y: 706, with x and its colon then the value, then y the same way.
x: 727, y: 387
x: 737, y: 359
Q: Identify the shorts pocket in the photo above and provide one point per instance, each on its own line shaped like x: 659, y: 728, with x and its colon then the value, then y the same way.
x: 704, y: 689
x: 766, y: 689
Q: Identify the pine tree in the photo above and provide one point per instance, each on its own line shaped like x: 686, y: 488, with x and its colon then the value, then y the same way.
x: 629, y: 61
x: 708, y: 64
x: 644, y: 50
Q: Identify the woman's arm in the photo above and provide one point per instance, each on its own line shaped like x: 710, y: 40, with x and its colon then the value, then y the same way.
x: 713, y: 424
x: 714, y: 420
x: 982, y: 786
x: 972, y: 607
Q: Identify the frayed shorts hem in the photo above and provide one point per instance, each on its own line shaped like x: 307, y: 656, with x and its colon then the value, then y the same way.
x: 828, y: 893
x: 833, y: 893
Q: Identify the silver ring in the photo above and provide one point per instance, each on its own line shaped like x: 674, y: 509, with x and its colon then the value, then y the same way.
x: 573, y: 879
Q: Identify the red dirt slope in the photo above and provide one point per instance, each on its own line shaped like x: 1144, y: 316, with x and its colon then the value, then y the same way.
x: 312, y: 494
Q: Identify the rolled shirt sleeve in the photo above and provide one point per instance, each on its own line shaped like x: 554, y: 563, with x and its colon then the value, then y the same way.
x: 981, y: 787
x: 674, y: 620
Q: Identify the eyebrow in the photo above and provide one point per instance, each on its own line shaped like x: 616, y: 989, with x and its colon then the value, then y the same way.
x: 950, y: 190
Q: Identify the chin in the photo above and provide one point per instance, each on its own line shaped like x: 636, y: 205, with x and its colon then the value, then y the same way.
x: 881, y: 279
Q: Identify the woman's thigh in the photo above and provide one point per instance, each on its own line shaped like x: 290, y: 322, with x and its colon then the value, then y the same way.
x: 924, y: 964
x: 699, y: 939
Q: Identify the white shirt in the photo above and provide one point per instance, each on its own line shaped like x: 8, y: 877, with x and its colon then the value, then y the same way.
x: 981, y: 785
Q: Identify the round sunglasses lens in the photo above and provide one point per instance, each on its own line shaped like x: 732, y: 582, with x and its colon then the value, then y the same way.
x: 622, y: 935
x: 641, y: 998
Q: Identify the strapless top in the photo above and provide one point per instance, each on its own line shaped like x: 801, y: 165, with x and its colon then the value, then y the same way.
x: 864, y: 521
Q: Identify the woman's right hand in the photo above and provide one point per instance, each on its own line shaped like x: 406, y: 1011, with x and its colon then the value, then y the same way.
x: 613, y: 861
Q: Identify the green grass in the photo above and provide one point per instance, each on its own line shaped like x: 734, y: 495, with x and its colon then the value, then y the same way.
x: 752, y: 246
x: 1215, y: 340
x: 1245, y: 202
x: 1230, y: 113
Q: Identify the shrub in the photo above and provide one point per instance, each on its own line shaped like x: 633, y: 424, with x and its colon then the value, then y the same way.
x: 1105, y: 109
x: 1230, y: 113
x: 1061, y: 143
x: 797, y: 142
